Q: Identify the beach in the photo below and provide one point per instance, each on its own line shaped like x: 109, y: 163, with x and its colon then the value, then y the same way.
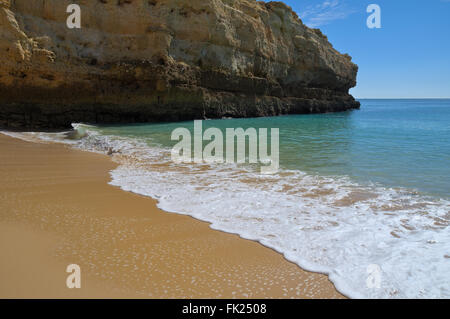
x: 224, y: 149
x: 57, y: 208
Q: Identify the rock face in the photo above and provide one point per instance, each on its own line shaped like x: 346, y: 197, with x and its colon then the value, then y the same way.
x: 164, y: 60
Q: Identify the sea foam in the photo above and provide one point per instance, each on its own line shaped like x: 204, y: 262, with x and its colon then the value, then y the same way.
x: 330, y: 225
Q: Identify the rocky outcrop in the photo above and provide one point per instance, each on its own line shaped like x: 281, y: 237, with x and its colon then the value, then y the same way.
x: 164, y: 60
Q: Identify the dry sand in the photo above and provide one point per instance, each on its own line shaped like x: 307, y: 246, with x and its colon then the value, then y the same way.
x: 56, y: 209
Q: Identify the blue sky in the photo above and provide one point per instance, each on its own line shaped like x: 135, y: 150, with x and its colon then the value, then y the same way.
x: 409, y: 57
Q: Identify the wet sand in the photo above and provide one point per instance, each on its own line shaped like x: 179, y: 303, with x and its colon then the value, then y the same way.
x: 56, y: 209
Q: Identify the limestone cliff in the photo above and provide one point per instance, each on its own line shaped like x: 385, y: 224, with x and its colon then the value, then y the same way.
x: 161, y: 60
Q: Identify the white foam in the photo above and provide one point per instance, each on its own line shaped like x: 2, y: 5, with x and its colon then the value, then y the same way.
x: 327, y: 225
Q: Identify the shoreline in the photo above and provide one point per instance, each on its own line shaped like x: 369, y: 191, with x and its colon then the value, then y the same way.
x: 58, y: 208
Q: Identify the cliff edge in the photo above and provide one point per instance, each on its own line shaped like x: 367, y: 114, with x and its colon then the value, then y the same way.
x: 164, y: 60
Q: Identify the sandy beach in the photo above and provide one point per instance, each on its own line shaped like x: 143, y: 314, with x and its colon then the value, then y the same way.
x: 56, y: 209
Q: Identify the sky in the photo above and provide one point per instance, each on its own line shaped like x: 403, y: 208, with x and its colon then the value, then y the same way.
x: 408, y: 57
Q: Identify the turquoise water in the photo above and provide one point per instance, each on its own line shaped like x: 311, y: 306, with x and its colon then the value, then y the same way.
x: 356, y: 191
x: 395, y: 143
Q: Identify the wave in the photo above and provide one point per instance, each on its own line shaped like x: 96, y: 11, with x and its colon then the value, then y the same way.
x: 329, y: 225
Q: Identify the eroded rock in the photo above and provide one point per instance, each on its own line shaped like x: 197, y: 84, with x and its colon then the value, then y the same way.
x: 164, y: 60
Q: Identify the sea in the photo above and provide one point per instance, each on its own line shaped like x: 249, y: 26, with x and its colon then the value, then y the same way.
x: 361, y: 196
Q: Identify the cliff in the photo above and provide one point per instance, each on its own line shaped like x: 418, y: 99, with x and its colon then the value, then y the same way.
x: 164, y: 60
